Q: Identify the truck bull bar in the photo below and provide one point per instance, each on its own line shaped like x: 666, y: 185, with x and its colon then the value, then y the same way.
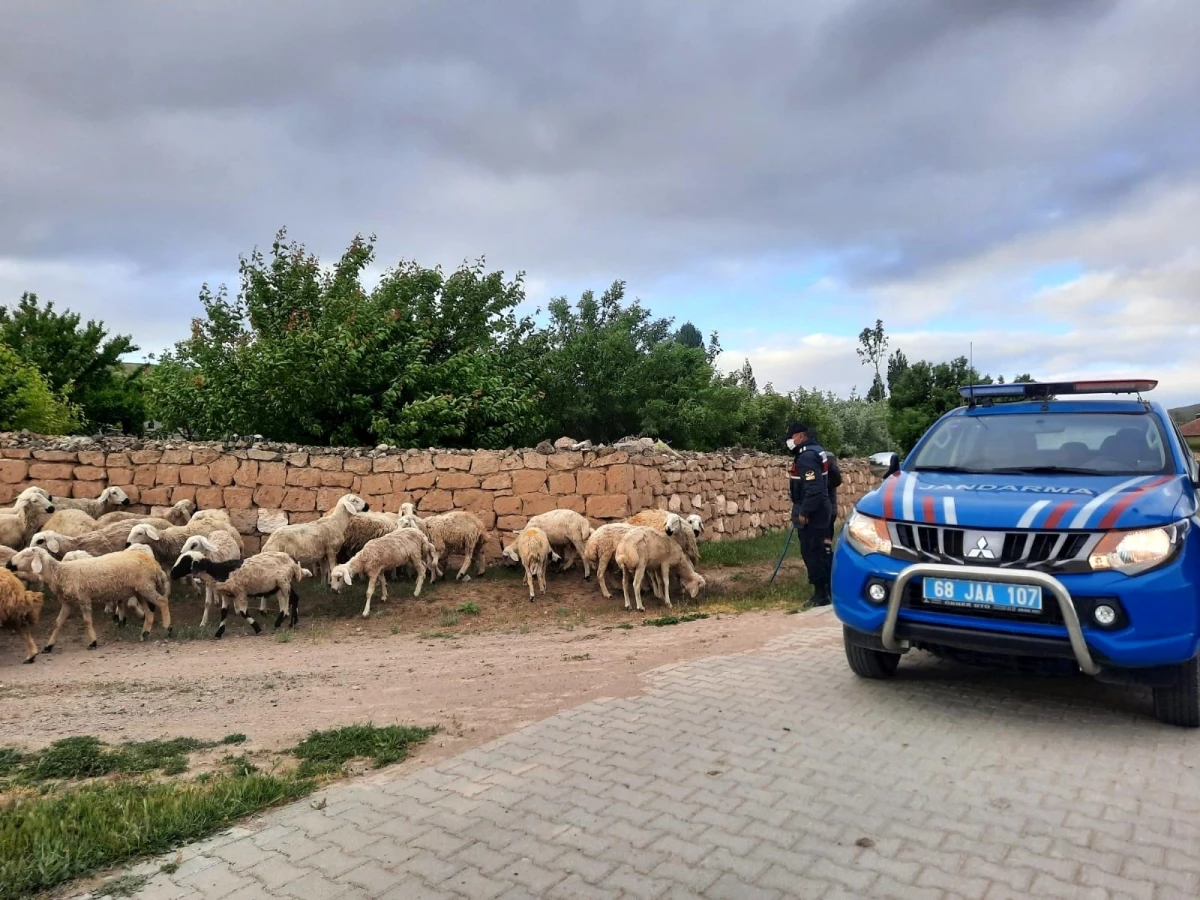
x: 1049, y: 585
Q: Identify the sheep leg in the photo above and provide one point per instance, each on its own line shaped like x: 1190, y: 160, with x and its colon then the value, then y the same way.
x: 625, y: 586
x: 244, y: 612
x: 602, y: 573
x: 282, y: 598
x: 224, y: 612
x: 666, y: 584
x: 293, y: 607
x: 568, y: 558
x: 582, y: 551
x: 370, y: 591
x: 85, y: 609
x: 383, y: 585
x: 480, y: 561
x: 542, y: 577
x: 63, y: 612
x: 30, y: 644
x: 462, y: 575
x: 529, y: 581
x: 638, y: 576
x: 148, y: 619
x: 420, y: 577
x: 330, y: 563
x: 164, y: 606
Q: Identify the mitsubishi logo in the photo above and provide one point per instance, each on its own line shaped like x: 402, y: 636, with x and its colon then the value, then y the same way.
x: 980, y: 550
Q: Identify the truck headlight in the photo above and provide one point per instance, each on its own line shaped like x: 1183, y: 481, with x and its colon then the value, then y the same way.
x: 1135, y: 551
x: 868, y: 534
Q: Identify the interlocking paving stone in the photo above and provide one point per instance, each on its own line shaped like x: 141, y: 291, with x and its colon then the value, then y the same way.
x: 773, y: 773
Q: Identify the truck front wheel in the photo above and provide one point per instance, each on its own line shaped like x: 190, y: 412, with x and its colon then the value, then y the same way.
x: 868, y: 663
x: 1179, y: 704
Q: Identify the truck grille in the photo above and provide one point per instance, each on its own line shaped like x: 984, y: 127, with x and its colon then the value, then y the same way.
x: 1049, y: 551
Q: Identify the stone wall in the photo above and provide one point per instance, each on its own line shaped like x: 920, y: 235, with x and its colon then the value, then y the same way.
x: 263, y: 486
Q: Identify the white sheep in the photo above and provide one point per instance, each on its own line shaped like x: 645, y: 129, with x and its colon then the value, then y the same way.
x: 28, y: 515
x: 403, y: 547
x: 113, y: 578
x: 645, y: 548
x: 110, y: 500
x: 682, y: 531
x: 20, y: 610
x: 71, y: 522
x: 568, y: 533
x: 458, y: 531
x: 531, y: 548
x: 317, y: 543
x: 602, y: 547
x: 167, y: 543
x: 408, y: 509
x: 116, y: 610
x: 110, y: 538
x: 658, y: 519
x: 269, y: 572
x: 216, y: 546
x: 365, y: 527
x: 179, y: 514
x: 32, y: 490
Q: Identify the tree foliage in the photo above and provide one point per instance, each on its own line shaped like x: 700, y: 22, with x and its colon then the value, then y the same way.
x: 871, y: 350
x: 310, y: 355
x: 27, y: 400
x: 79, y: 362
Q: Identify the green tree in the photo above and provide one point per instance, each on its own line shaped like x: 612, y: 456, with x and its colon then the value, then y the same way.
x: 871, y: 350
x: 309, y: 355
x: 922, y: 393
x: 689, y: 335
x: 27, y: 401
x: 79, y: 361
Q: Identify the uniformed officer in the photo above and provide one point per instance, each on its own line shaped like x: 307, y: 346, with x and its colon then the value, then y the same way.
x: 811, y: 511
x: 833, y: 478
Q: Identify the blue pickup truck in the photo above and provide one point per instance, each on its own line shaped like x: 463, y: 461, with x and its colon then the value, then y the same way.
x: 1030, y: 527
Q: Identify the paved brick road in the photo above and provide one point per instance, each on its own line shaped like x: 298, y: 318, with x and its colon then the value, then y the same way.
x: 765, y: 775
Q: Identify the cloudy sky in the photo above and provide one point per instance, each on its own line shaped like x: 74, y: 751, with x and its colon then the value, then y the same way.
x: 1021, y: 175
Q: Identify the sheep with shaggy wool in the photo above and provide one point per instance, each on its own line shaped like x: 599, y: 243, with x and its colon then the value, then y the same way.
x: 365, y: 527
x: 568, y: 533
x: 216, y: 546
x: 20, y: 610
x: 110, y: 500
x: 116, y: 610
x: 315, y: 544
x: 27, y: 518
x: 111, y: 538
x: 269, y: 572
x: 71, y: 522
x: 531, y: 548
x: 644, y: 548
x: 179, y: 514
x: 112, y: 578
x: 681, y: 530
x: 460, y: 532
x: 602, y: 547
x: 402, y: 547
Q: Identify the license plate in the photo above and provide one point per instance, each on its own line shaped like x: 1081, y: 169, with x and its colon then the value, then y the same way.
x: 1024, y: 598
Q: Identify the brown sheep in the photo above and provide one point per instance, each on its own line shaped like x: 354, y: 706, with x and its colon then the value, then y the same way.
x: 19, y: 610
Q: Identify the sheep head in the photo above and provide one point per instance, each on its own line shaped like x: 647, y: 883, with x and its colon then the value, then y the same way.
x: 673, y: 524
x: 183, y: 566
x: 693, y: 583
x: 142, y: 534
x: 339, y: 576
x: 696, y: 523
x: 50, y: 540
x: 114, y: 495
x: 510, y: 552
x: 200, y: 543
x: 354, y: 504
x: 32, y: 559
x: 407, y: 509
x: 35, y: 501
x: 34, y: 491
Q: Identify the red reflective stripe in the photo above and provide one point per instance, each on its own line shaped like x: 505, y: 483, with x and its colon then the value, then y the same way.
x: 889, y: 496
x: 927, y: 508
x: 1114, y: 512
x: 1058, y: 514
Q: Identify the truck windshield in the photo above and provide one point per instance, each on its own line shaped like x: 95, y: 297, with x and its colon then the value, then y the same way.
x: 1100, y: 443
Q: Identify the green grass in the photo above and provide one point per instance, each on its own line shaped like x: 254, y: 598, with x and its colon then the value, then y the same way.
x: 764, y: 548
x: 124, y: 886
x: 785, y: 593
x: 674, y: 620
x: 58, y: 824
x: 327, y: 751
x: 450, y: 619
x: 470, y: 608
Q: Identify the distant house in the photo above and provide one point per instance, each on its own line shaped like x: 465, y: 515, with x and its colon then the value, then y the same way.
x: 1191, y: 431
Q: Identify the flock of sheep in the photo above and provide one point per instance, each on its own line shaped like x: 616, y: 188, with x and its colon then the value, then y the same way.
x: 97, y: 552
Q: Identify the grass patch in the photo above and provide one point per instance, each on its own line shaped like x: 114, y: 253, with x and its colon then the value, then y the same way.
x: 662, y: 621
x: 284, y: 637
x: 57, y: 824
x: 434, y: 635
x: 450, y: 619
x: 470, y: 608
x: 764, y: 548
x: 327, y: 751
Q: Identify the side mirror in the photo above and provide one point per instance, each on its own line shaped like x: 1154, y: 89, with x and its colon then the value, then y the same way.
x: 884, y: 464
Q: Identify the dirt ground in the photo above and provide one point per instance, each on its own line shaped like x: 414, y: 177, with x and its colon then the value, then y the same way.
x: 415, y: 661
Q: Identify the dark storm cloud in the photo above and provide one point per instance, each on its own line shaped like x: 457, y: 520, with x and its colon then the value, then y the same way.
x: 576, y: 137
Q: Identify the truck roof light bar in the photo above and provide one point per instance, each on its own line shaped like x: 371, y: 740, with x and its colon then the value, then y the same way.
x: 1040, y: 389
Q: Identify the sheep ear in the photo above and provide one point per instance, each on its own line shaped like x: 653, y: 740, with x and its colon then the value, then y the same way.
x: 36, y: 565
x: 346, y: 576
x: 52, y: 544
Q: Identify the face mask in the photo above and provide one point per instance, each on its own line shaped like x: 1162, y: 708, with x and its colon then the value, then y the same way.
x: 791, y: 445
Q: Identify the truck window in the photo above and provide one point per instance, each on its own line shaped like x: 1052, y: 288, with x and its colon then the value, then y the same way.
x: 1086, y: 443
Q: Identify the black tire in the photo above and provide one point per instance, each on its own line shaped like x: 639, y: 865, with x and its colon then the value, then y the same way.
x: 868, y: 663
x: 1180, y: 703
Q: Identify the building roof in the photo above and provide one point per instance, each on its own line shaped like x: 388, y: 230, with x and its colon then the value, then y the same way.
x: 1191, y: 429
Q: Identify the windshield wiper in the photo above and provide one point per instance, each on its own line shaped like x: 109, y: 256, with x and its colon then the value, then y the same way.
x: 1046, y: 470
x: 953, y: 470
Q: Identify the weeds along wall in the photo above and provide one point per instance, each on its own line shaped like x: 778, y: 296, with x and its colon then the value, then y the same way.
x: 738, y: 493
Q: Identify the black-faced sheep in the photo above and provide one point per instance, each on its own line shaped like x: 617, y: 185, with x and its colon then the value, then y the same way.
x: 109, y: 579
x: 217, y: 546
x: 19, y: 610
x: 269, y: 572
x: 645, y: 548
x: 532, y: 549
